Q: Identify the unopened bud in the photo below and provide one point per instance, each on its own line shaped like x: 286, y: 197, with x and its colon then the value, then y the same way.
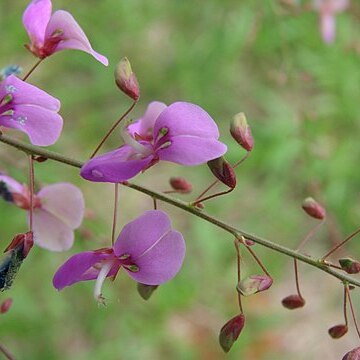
x: 313, y: 208
x: 349, y: 265
x: 231, y: 331
x: 254, y: 284
x: 223, y: 171
x: 181, y: 185
x: 241, y: 132
x: 352, y: 355
x: 126, y: 80
x: 145, y: 291
x: 337, y: 331
x: 6, y: 305
x: 292, y: 302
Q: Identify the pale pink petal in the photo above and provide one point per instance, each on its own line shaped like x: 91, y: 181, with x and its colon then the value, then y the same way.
x: 192, y: 150
x: 65, y: 201
x: 327, y: 25
x: 36, y: 18
x: 72, y: 34
x: 12, y: 185
x: 51, y: 233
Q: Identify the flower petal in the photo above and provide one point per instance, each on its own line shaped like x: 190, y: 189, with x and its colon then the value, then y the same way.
x: 182, y: 118
x: 35, y: 19
x: 41, y: 125
x: 65, y: 201
x: 12, y: 185
x: 162, y: 261
x: 80, y: 267
x: 114, y: 166
x: 192, y: 150
x: 145, y: 124
x: 142, y: 233
x: 51, y: 233
x: 74, y: 37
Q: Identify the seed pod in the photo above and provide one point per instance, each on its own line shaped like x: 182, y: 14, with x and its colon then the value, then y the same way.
x: 292, y: 302
x: 231, y: 331
x: 337, y: 331
x: 6, y: 305
x: 313, y: 208
x: 349, y: 265
x: 180, y: 184
x: 254, y: 284
x: 223, y: 171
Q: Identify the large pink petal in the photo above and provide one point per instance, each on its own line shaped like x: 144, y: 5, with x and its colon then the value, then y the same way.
x: 142, y: 233
x: 27, y: 94
x: 65, y: 201
x: 192, y: 150
x: 162, y: 261
x: 115, y: 166
x: 80, y: 267
x: 145, y: 124
x: 74, y: 37
x: 12, y: 185
x: 41, y: 125
x: 51, y: 233
x: 36, y: 18
x: 182, y: 118
x: 328, y: 27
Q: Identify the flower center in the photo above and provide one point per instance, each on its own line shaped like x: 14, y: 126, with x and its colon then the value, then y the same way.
x: 139, y: 148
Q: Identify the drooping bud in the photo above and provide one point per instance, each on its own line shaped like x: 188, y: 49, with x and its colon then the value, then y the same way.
x: 337, y: 331
x: 145, y: 291
x: 241, y: 132
x: 352, y: 355
x: 180, y: 184
x: 254, y: 284
x: 313, y: 208
x: 126, y: 80
x: 223, y: 171
x: 349, y: 265
x: 292, y: 302
x: 6, y: 305
x: 231, y: 331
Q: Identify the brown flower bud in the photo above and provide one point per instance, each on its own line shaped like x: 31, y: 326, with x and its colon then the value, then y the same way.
x: 352, y: 355
x: 126, y: 80
x: 313, y: 208
x: 254, y: 284
x: 223, y: 171
x: 145, y: 291
x: 338, y: 331
x: 292, y: 302
x: 241, y: 132
x: 180, y: 184
x: 6, y: 305
x: 349, y: 265
x: 231, y: 331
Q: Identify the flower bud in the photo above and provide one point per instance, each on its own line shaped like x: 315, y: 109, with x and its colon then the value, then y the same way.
x: 6, y: 305
x: 241, y: 132
x: 126, y: 80
x: 349, y: 265
x: 223, y: 171
x: 254, y: 284
x: 352, y: 355
x: 338, y: 331
x: 180, y: 184
x: 313, y: 208
x: 145, y: 291
x: 231, y: 331
x: 292, y: 302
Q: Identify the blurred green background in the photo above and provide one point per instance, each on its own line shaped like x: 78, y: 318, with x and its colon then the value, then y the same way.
x: 301, y: 96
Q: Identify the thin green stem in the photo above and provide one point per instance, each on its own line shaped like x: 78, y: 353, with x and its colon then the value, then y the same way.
x: 31, y: 188
x: 238, y: 262
x: 116, y: 200
x: 117, y: 122
x: 6, y: 352
x: 352, y: 310
x: 345, y: 306
x: 36, y: 150
x: 32, y: 69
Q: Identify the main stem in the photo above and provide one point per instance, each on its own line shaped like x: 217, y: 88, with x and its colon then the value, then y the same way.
x: 36, y: 150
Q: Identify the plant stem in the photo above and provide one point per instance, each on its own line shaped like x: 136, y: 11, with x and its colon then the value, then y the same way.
x: 36, y: 150
x: 252, y: 252
x: 212, y: 196
x: 297, y: 278
x: 345, y: 306
x: 352, y: 310
x: 32, y: 69
x: 6, y: 353
x: 116, y: 198
x: 238, y: 261
x: 31, y: 186
x: 155, y: 203
x: 309, y: 235
x: 117, y: 122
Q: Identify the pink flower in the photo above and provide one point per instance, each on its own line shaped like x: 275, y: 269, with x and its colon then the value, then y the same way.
x: 50, y: 33
x: 58, y: 210
x: 327, y: 10
x: 26, y: 108
x: 147, y: 249
x: 182, y: 133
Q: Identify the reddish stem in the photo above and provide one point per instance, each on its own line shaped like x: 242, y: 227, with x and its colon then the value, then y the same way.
x: 32, y: 69
x: 345, y: 306
x: 212, y: 196
x: 6, y: 352
x: 297, y: 278
x: 257, y: 259
x: 310, y: 234
x: 238, y: 258
x: 117, y: 122
x: 155, y: 203
x: 31, y: 186
x: 352, y: 310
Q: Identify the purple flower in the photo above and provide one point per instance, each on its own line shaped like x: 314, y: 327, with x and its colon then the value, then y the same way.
x: 182, y: 133
x: 147, y: 249
x: 58, y: 209
x: 26, y: 108
x: 50, y: 33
